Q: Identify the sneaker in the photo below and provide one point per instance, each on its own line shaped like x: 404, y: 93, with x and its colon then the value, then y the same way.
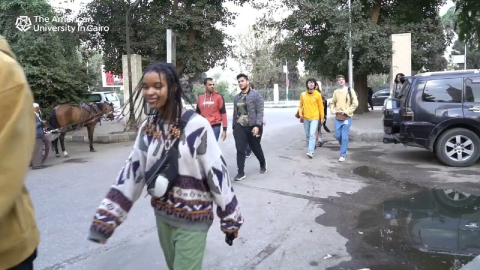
x: 248, y: 154
x: 263, y: 169
x: 240, y: 176
x: 310, y: 155
x: 341, y: 159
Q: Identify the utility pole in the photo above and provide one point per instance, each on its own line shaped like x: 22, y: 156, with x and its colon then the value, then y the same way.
x: 129, y: 67
x: 285, y: 69
x: 350, y: 60
x: 465, y: 58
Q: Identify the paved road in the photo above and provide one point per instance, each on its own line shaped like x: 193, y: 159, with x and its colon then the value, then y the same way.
x: 299, y: 212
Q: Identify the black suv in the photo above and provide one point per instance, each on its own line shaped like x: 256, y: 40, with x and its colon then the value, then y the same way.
x: 439, y: 111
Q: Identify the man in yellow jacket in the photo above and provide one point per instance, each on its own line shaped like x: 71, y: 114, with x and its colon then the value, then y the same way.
x: 19, y: 236
x: 344, y: 103
x: 311, y: 111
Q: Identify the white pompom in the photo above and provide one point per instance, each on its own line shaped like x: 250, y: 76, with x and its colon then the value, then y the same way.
x: 161, y: 185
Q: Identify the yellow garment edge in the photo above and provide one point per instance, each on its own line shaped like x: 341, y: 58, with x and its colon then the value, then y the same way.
x: 341, y: 102
x: 311, y: 106
x: 19, y: 236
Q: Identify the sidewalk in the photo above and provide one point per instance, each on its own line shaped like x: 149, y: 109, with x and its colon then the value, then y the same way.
x: 367, y: 127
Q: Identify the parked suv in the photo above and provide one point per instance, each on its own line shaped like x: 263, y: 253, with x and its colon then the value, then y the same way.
x: 439, y: 111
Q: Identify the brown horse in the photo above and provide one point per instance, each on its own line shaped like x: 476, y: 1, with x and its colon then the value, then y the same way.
x: 85, y: 115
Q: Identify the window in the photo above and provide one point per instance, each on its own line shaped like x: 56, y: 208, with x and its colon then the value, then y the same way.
x: 383, y: 94
x: 472, y: 89
x: 110, y: 97
x: 443, y: 90
x: 95, y: 98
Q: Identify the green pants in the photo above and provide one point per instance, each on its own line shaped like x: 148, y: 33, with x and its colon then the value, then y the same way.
x: 183, y: 250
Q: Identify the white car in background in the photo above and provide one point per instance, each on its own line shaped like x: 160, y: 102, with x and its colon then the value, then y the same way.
x: 110, y: 97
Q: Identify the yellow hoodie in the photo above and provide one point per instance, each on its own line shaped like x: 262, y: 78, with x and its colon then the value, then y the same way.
x: 19, y: 236
x: 311, y: 106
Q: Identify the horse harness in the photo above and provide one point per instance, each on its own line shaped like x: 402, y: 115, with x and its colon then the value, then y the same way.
x: 94, y: 114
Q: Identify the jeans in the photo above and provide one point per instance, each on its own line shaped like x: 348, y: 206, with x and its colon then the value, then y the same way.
x: 216, y: 131
x: 243, y: 137
x: 310, y: 127
x: 341, y: 133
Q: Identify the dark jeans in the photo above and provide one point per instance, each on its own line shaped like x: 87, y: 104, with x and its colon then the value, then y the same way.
x: 249, y: 150
x: 243, y: 137
x: 27, y: 264
x: 216, y: 131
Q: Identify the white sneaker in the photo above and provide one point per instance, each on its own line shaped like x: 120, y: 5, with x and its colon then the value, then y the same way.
x: 310, y: 155
x: 341, y: 159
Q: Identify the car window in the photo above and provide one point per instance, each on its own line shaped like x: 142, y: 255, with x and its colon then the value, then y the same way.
x: 110, y: 97
x: 383, y: 93
x: 472, y: 89
x: 443, y: 90
x: 95, y: 98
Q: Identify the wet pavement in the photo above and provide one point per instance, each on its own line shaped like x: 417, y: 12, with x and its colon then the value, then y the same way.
x: 398, y: 221
x: 387, y: 207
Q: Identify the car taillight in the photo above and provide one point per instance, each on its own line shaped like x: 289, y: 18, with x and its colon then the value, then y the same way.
x: 407, y: 114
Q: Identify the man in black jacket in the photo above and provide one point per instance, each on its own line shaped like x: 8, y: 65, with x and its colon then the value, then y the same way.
x: 247, y: 121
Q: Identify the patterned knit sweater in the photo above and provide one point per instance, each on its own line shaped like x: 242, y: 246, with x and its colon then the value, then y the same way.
x: 203, y: 179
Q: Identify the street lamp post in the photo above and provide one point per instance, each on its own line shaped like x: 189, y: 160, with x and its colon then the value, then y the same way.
x: 129, y: 67
x: 350, y: 60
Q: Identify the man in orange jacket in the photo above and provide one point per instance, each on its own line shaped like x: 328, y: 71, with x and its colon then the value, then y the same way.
x: 19, y: 236
x: 212, y: 106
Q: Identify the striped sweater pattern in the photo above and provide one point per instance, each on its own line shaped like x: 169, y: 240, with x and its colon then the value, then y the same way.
x: 203, y: 180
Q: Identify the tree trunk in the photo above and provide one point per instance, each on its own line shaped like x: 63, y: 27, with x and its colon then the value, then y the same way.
x: 360, y: 86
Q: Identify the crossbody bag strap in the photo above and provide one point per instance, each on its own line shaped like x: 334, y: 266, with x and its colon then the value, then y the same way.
x: 183, y: 123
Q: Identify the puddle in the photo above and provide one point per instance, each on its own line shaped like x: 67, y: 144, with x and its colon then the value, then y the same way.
x: 372, y: 172
x: 431, y: 229
x: 75, y: 160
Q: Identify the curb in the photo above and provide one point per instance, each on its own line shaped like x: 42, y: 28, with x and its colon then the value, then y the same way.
x: 112, y: 138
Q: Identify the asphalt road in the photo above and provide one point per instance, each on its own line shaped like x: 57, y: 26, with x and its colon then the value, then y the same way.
x: 302, y: 214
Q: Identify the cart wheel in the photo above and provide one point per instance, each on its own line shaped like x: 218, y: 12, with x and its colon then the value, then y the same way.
x: 45, y: 150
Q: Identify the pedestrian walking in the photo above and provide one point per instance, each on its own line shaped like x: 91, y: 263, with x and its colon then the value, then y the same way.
x: 177, y: 156
x: 319, y: 139
x: 311, y: 110
x: 344, y: 103
x: 248, y: 110
x: 211, y: 105
x: 39, y: 132
x: 370, y: 97
x: 19, y: 236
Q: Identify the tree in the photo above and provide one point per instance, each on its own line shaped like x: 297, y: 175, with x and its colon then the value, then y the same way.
x: 200, y: 44
x: 52, y: 61
x: 468, y: 20
x: 317, y: 32
x: 256, y: 57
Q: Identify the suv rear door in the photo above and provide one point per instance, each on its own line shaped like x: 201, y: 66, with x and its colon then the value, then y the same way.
x: 471, y: 102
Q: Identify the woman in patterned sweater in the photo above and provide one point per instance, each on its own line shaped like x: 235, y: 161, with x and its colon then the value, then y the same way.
x: 196, y: 176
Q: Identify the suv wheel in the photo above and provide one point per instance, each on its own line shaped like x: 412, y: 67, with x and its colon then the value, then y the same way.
x: 458, y: 147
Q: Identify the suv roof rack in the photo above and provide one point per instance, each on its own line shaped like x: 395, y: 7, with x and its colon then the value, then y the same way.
x: 449, y: 72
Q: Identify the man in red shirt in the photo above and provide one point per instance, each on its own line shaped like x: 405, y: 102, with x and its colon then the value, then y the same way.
x: 212, y: 106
